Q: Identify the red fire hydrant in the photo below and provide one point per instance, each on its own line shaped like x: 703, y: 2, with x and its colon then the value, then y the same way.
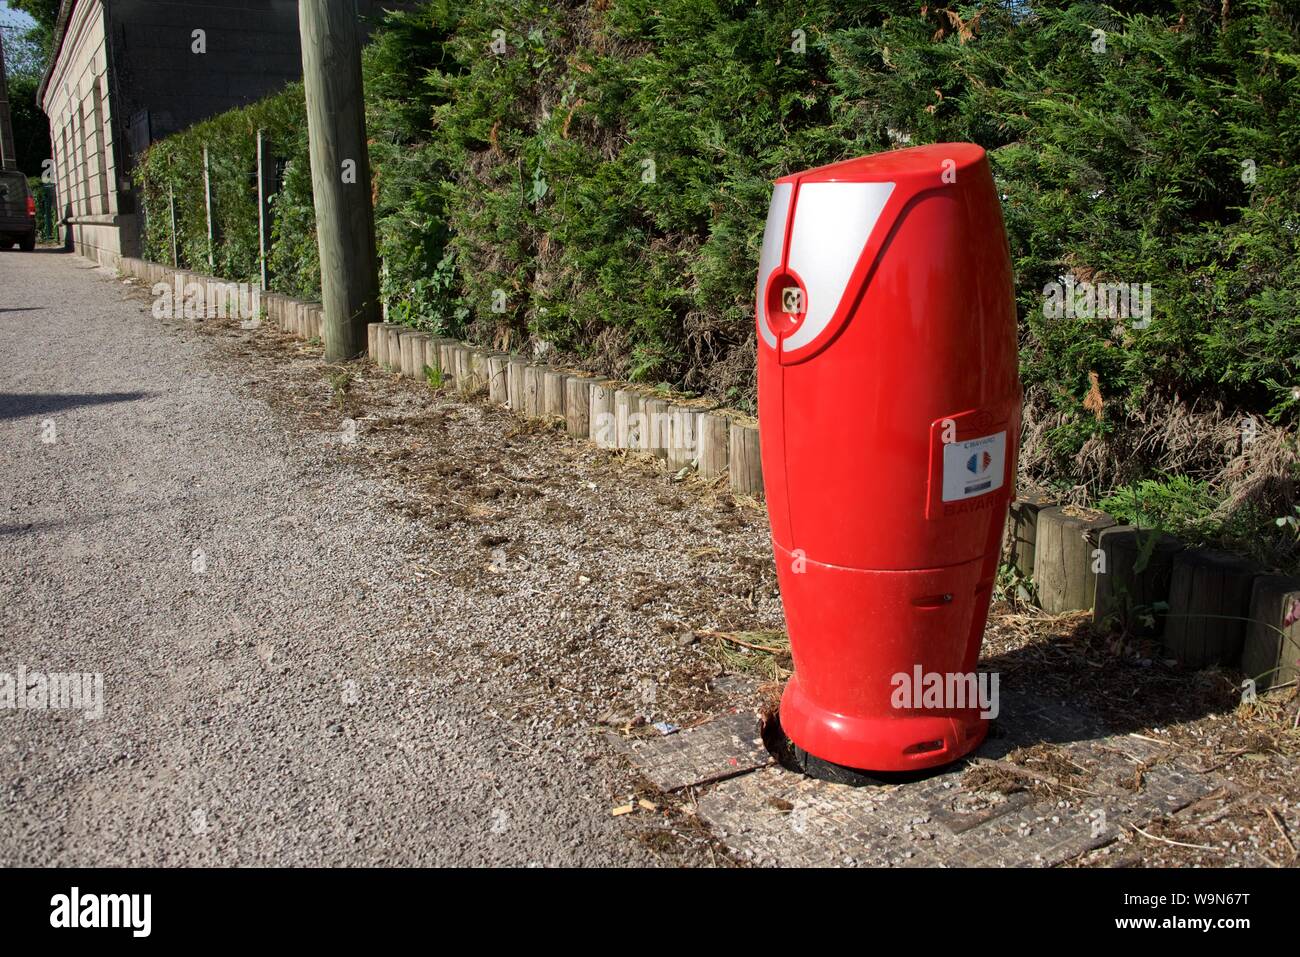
x: 889, y: 415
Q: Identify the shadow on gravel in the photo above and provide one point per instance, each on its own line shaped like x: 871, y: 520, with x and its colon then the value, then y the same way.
x: 84, y: 522
x: 16, y: 405
x: 25, y: 309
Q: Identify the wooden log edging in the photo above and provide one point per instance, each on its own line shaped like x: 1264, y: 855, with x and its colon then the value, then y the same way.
x: 393, y: 348
x: 447, y: 361
x: 1022, y: 529
x: 411, y: 362
x: 1271, y: 651
x: 745, y: 463
x: 713, y: 440
x: 1209, y: 606
x: 577, y: 406
x: 478, y: 370
x: 533, y: 377
x: 554, y: 395
x: 1222, y: 610
x: 463, y: 373
x: 433, y: 360
x: 656, y: 427
x: 1133, y: 578
x: 627, y: 418
x: 1065, y: 562
x: 381, y: 345
x: 515, y: 367
x: 304, y: 319
x: 684, y: 447
x: 498, y: 372
x: 283, y: 314
x: 611, y: 414
x: 315, y: 322
x: 603, y: 421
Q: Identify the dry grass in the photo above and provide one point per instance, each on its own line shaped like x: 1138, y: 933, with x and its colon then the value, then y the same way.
x: 764, y: 654
x: 1247, y: 462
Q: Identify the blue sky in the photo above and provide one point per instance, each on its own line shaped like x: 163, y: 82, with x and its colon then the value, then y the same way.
x: 13, y: 17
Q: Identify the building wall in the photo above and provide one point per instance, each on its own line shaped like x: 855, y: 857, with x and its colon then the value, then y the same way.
x: 79, y: 107
x: 130, y: 72
x: 8, y: 158
x: 164, y: 85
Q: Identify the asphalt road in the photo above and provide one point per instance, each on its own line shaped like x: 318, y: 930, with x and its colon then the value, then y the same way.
x: 291, y: 672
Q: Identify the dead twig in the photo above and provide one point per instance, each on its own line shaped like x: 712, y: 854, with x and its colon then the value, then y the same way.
x: 1231, y: 756
x: 1047, y: 779
x: 1165, y: 840
x: 728, y: 637
x: 1281, y: 829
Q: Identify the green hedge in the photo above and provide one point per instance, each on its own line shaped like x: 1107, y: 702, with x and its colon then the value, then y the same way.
x: 174, y: 167
x: 519, y: 179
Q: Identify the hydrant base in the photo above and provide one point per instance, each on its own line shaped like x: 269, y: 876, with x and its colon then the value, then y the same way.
x: 897, y: 743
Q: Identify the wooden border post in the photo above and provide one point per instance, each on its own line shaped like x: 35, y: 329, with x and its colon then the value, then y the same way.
x: 533, y: 396
x: 744, y: 462
x: 657, y: 427
x: 713, y: 438
x: 1022, y: 527
x: 498, y: 372
x: 1272, y: 646
x: 628, y: 418
x: 1209, y: 602
x: 515, y: 366
x: 1065, y: 554
x: 1133, y: 578
x: 393, y: 347
x: 601, y: 419
x: 577, y: 405
x: 553, y: 394
x: 433, y: 357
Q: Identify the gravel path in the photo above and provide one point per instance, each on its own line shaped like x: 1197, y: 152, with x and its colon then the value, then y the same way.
x: 400, y: 650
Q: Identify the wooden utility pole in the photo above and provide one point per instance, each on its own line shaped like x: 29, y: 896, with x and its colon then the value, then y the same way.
x: 340, y: 173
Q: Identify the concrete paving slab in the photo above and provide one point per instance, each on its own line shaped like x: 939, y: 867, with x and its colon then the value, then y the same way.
x: 774, y: 816
x: 720, y: 748
x: 778, y: 817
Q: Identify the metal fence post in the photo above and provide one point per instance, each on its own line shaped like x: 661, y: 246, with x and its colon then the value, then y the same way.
x: 207, y: 201
x: 171, y: 197
x: 264, y: 185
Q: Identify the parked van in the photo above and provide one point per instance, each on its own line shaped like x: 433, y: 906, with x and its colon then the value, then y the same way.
x: 17, y: 211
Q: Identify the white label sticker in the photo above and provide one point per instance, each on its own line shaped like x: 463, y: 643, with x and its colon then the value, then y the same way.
x: 973, y: 467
